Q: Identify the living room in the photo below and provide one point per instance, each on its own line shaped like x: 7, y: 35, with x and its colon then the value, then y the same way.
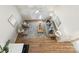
x: 40, y: 21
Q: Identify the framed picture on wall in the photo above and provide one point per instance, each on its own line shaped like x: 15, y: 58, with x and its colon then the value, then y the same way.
x: 12, y: 20
x: 57, y: 21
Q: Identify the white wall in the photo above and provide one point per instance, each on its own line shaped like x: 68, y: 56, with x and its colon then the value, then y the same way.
x: 6, y: 30
x: 69, y: 16
x: 28, y: 11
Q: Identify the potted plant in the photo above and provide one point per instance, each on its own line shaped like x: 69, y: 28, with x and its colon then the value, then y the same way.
x: 5, y: 48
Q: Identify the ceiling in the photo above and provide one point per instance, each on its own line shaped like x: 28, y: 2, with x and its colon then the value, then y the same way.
x: 36, y: 11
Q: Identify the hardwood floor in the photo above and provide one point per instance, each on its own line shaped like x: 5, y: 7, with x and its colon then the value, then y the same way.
x: 46, y: 45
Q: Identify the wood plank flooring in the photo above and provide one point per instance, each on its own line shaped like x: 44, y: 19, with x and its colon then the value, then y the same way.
x: 46, y: 45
